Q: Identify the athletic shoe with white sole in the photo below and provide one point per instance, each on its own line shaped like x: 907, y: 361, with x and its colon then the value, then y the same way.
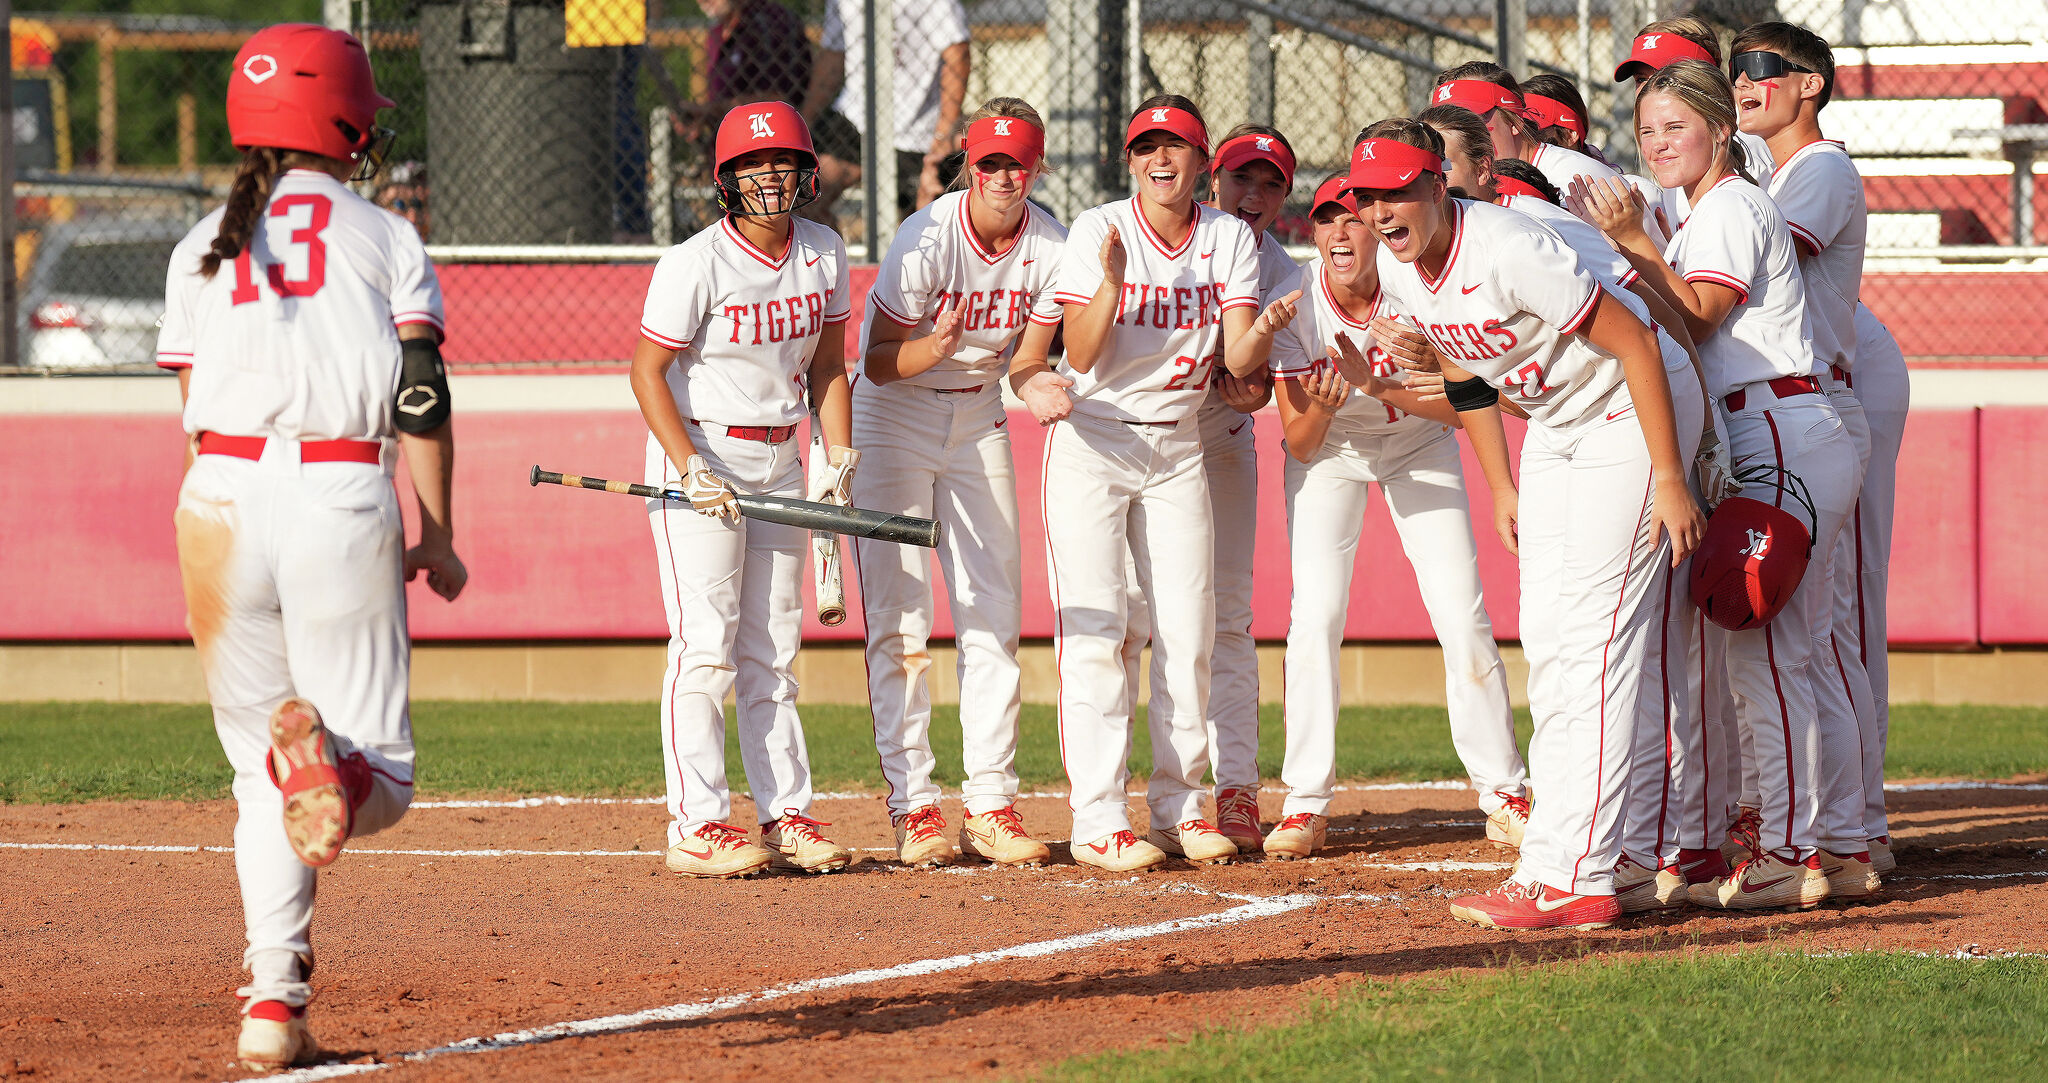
x: 793, y: 843
x: 1196, y: 840
x: 921, y: 838
x: 1121, y: 852
x: 717, y: 851
x: 1237, y: 817
x: 1851, y: 877
x: 1640, y: 888
x: 1536, y: 906
x: 1297, y: 836
x: 1765, y: 882
x: 317, y: 811
x: 274, y: 1037
x: 1881, y: 859
x: 1745, y: 836
x: 1506, y: 824
x: 999, y: 836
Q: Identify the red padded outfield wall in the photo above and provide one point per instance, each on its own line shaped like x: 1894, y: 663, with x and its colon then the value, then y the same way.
x: 89, y: 549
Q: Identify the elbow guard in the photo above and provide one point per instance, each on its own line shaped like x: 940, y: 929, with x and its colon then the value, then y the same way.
x: 422, y: 404
x: 1472, y: 394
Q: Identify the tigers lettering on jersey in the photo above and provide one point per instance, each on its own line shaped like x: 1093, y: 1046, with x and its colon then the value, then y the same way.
x: 791, y: 317
x: 1177, y: 308
x: 988, y: 310
x: 1470, y: 342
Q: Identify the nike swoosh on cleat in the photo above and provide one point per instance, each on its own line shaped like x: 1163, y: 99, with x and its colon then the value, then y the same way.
x: 1547, y: 907
x: 1098, y: 847
x: 703, y: 855
x: 1749, y: 890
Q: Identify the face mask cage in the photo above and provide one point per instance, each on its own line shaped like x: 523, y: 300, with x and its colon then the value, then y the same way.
x: 734, y: 200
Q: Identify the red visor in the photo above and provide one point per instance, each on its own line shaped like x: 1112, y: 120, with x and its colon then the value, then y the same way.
x: 1509, y: 186
x: 1654, y: 52
x: 1166, y: 118
x: 1335, y: 190
x: 1477, y: 95
x: 1236, y: 153
x: 1387, y: 164
x: 1551, y: 113
x: 1018, y: 138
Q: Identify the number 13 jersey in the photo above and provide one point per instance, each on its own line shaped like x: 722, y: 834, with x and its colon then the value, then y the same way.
x: 1155, y: 364
x: 297, y: 337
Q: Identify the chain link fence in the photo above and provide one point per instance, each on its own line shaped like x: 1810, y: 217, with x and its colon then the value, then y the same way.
x: 549, y: 151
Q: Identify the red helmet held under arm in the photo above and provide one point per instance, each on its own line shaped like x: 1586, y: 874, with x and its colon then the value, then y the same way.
x: 1754, y: 553
x: 298, y: 86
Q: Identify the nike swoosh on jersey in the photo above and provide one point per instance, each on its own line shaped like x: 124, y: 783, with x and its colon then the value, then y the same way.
x: 1470, y: 288
x: 813, y: 261
x: 1611, y: 417
x: 1240, y: 428
x: 1207, y: 254
x: 1029, y: 262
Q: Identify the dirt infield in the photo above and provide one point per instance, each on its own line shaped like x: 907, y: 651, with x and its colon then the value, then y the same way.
x: 119, y: 952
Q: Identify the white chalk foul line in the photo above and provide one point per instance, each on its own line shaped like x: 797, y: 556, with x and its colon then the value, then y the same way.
x: 675, y: 1013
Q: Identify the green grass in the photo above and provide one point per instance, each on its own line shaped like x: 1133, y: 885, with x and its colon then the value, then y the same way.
x: 54, y: 752
x: 1747, y: 1017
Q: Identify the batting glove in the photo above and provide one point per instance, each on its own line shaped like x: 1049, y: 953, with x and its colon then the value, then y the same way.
x: 707, y: 492
x: 834, y: 484
x: 1715, y: 469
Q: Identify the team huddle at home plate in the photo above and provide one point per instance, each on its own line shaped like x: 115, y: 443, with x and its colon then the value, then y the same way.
x: 1701, y: 510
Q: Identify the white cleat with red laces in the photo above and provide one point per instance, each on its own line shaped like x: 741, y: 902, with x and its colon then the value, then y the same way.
x: 999, y: 836
x: 1297, y: 836
x: 716, y: 851
x: 794, y: 843
x: 1121, y: 852
x: 921, y: 838
x: 1506, y: 824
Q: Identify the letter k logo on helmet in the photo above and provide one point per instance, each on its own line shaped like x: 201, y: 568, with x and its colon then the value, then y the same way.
x: 757, y: 123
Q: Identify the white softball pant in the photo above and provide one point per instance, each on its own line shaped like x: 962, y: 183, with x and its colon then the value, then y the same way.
x: 1839, y: 645
x: 1666, y: 803
x: 1230, y: 460
x: 1802, y: 752
x: 1595, y: 563
x: 294, y: 585
x: 1419, y: 475
x: 1882, y: 384
x: 1111, y: 488
x: 733, y: 593
x: 946, y: 456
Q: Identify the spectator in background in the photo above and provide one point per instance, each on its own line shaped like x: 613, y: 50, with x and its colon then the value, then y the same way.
x: 756, y: 52
x: 404, y: 193
x: 931, y: 63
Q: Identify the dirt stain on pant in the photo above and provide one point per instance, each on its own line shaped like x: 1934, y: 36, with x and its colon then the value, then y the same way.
x: 206, y: 542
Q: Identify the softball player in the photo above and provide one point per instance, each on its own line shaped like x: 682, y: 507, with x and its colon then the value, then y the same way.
x: 966, y: 292
x: 1488, y: 90
x: 744, y: 322
x: 1603, y: 480
x: 1784, y: 75
x: 1153, y: 287
x: 1733, y: 271
x: 1341, y: 440
x: 304, y: 324
x: 1882, y: 384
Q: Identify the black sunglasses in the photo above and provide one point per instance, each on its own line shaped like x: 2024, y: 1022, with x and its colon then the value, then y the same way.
x: 1761, y: 65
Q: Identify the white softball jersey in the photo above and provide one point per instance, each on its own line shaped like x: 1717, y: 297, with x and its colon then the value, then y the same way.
x: 1508, y: 308
x: 1304, y: 346
x: 937, y: 262
x: 1820, y: 194
x: 1736, y: 238
x: 1603, y: 259
x: 1561, y: 165
x: 298, y: 337
x: 1276, y: 267
x: 745, y: 322
x: 1169, y: 321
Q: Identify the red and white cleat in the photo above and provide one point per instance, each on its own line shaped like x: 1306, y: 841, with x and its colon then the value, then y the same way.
x: 1536, y: 906
x: 317, y: 811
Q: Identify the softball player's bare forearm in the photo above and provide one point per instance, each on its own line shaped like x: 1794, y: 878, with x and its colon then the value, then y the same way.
x: 829, y: 396
x: 1089, y: 326
x: 1244, y: 352
x: 658, y: 405
x: 1302, y: 424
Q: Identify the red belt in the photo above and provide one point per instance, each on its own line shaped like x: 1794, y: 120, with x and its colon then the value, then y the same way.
x: 766, y: 434
x: 1784, y: 387
x: 1841, y: 375
x: 310, y: 451
x: 975, y: 390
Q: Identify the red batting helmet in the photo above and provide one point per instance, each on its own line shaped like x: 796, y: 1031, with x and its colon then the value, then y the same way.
x: 763, y: 126
x: 303, y: 87
x: 1754, y: 553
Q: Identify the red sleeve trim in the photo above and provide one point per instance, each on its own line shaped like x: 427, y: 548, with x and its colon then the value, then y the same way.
x: 440, y: 332
x: 1631, y: 278
x: 1071, y: 299
x: 417, y: 316
x: 1806, y: 237
x: 1585, y: 314
x: 1240, y: 302
x: 841, y: 318
x: 662, y: 340
x: 1722, y: 278
x: 894, y: 316
x: 1048, y: 321
x: 163, y: 361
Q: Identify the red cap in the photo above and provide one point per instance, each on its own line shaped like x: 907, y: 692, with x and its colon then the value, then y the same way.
x: 1551, y: 113
x: 1503, y: 187
x: 1389, y: 164
x: 1657, y: 51
x: 1479, y: 96
x: 1335, y: 190
x: 1166, y: 118
x: 1014, y: 136
x: 761, y: 126
x: 293, y: 84
x: 1234, y: 153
